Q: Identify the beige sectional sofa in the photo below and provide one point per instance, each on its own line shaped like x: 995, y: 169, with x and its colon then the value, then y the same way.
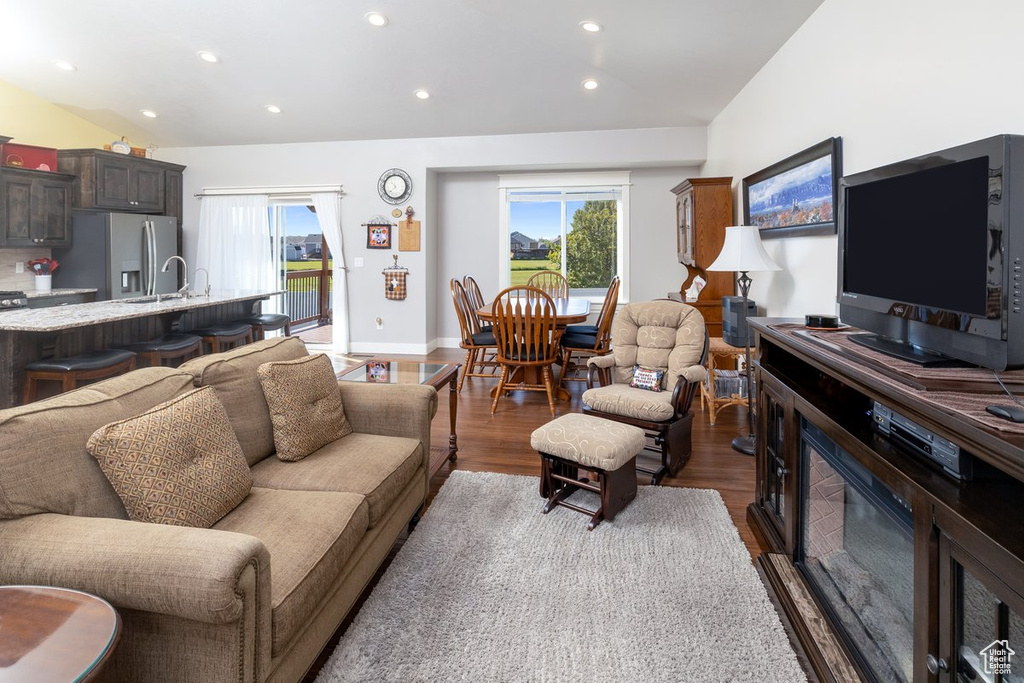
x: 255, y: 597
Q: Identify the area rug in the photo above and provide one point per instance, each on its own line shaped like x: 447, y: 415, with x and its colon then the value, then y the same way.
x: 489, y: 589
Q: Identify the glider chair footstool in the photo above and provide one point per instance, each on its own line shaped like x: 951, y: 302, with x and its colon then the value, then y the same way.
x: 576, y: 442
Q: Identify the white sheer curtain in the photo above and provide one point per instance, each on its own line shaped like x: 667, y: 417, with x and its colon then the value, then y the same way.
x: 234, y: 242
x: 328, y: 213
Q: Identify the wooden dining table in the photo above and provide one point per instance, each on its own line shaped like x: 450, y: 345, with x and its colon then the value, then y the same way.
x: 568, y: 311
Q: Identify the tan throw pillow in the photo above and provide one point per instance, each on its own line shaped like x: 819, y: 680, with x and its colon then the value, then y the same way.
x: 178, y: 463
x: 305, y: 405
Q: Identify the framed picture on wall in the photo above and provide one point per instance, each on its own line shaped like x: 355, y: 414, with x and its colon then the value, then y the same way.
x: 798, y: 195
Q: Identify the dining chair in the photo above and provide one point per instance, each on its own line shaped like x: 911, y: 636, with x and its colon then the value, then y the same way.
x: 526, y: 332
x: 476, y: 298
x: 657, y: 362
x: 479, y: 343
x: 551, y: 283
x: 586, y: 341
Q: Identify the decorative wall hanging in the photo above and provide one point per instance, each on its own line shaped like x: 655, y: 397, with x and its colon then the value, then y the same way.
x: 394, y: 281
x: 408, y: 232
x: 378, y: 233
x: 796, y: 196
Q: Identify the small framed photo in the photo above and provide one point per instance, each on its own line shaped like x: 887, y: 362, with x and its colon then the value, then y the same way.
x: 378, y: 372
x: 798, y: 195
x: 378, y: 236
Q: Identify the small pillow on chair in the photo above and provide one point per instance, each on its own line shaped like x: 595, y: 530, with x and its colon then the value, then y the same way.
x: 305, y: 405
x: 646, y: 378
x: 178, y: 463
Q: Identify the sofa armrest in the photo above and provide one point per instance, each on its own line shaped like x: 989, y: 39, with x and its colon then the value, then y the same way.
x: 196, y: 574
x: 391, y: 410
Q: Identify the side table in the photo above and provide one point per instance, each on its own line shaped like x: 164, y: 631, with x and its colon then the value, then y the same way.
x: 719, y: 349
x: 54, y: 634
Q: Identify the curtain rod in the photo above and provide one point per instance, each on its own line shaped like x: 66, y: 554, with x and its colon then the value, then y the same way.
x: 279, y: 191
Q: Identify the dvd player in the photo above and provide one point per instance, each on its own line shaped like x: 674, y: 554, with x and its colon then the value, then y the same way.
x: 921, y: 441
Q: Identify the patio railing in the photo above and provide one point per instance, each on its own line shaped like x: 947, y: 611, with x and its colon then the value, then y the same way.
x: 309, y: 296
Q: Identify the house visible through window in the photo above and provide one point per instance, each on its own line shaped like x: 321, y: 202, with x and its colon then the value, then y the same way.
x: 577, y: 229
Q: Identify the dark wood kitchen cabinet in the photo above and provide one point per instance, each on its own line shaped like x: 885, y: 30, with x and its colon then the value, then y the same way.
x: 35, y: 208
x: 107, y: 180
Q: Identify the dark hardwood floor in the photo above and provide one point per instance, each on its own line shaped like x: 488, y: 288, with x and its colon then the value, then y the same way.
x: 501, y: 443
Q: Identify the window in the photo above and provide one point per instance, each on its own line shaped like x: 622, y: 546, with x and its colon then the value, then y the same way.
x: 587, y: 214
x: 305, y: 273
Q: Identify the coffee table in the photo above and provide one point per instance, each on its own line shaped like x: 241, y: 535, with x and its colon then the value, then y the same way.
x: 54, y: 634
x: 386, y: 371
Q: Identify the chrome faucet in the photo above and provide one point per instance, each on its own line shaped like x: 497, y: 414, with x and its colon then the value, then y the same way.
x: 195, y: 274
x: 184, y: 288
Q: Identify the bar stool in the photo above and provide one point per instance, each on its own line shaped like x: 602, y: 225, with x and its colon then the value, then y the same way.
x: 71, y: 370
x: 172, y: 347
x: 225, y: 335
x: 268, y: 322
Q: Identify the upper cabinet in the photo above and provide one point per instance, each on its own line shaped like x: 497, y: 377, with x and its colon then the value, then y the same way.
x: 35, y: 208
x: 107, y: 180
x: 703, y: 210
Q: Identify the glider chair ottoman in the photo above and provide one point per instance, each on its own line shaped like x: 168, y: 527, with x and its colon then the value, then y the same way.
x: 576, y: 442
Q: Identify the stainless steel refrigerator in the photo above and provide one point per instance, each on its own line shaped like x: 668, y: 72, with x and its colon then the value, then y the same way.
x: 119, y: 254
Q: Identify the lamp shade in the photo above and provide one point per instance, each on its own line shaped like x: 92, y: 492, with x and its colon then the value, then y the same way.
x: 743, y: 251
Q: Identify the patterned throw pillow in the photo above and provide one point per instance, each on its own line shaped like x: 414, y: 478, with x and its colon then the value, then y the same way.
x: 646, y: 378
x: 305, y: 405
x: 178, y: 463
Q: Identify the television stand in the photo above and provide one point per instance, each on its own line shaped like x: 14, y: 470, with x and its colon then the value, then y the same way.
x: 907, y: 352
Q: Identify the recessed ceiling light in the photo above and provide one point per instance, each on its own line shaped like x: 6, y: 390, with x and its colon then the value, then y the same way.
x: 590, y: 84
x: 149, y: 113
x: 208, y: 56
x: 273, y: 109
x: 376, y: 19
x: 591, y: 26
x: 422, y: 94
x: 64, y: 66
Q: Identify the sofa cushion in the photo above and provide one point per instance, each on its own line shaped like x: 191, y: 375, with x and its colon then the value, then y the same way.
x: 378, y: 467
x: 44, y: 466
x: 233, y: 373
x: 310, y: 536
x: 305, y: 405
x: 178, y: 463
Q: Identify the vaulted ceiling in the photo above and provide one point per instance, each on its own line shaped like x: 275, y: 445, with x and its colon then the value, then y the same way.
x: 490, y: 66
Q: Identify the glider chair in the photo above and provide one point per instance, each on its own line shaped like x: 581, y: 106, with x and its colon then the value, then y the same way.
x: 478, y: 343
x: 655, y: 367
x: 527, y: 336
x: 551, y: 283
x: 586, y: 341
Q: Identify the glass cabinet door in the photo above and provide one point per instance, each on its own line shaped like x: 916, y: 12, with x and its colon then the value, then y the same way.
x: 982, y: 626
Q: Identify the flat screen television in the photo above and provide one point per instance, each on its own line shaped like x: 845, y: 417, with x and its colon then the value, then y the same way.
x: 931, y: 252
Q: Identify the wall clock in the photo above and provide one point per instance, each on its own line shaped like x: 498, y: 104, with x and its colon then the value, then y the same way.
x: 394, y: 186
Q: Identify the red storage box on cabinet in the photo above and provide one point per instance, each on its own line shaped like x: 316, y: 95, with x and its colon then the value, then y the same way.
x: 28, y: 156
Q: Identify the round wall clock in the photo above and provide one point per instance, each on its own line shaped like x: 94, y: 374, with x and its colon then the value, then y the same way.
x: 394, y: 186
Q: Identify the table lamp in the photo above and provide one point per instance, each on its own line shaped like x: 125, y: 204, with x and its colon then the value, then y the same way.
x: 742, y: 253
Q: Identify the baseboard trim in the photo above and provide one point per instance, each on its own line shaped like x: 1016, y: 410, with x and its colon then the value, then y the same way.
x: 378, y: 349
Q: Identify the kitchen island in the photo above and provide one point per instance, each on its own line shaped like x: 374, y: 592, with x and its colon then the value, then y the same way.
x: 30, y: 334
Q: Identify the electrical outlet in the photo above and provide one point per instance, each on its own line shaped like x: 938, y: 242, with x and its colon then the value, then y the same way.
x: 358, y: 263
x: 380, y: 323
x: 19, y: 267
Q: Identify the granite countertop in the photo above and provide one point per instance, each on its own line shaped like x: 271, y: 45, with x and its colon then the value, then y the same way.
x: 80, y: 315
x: 33, y: 294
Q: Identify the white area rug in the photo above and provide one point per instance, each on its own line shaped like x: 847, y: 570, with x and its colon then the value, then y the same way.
x: 489, y: 589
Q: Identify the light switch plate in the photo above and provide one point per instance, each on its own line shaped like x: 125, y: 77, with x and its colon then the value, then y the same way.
x: 19, y: 267
x: 359, y: 262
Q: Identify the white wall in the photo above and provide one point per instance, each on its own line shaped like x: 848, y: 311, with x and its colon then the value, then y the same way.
x: 411, y: 326
x: 468, y: 237
x: 894, y: 80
